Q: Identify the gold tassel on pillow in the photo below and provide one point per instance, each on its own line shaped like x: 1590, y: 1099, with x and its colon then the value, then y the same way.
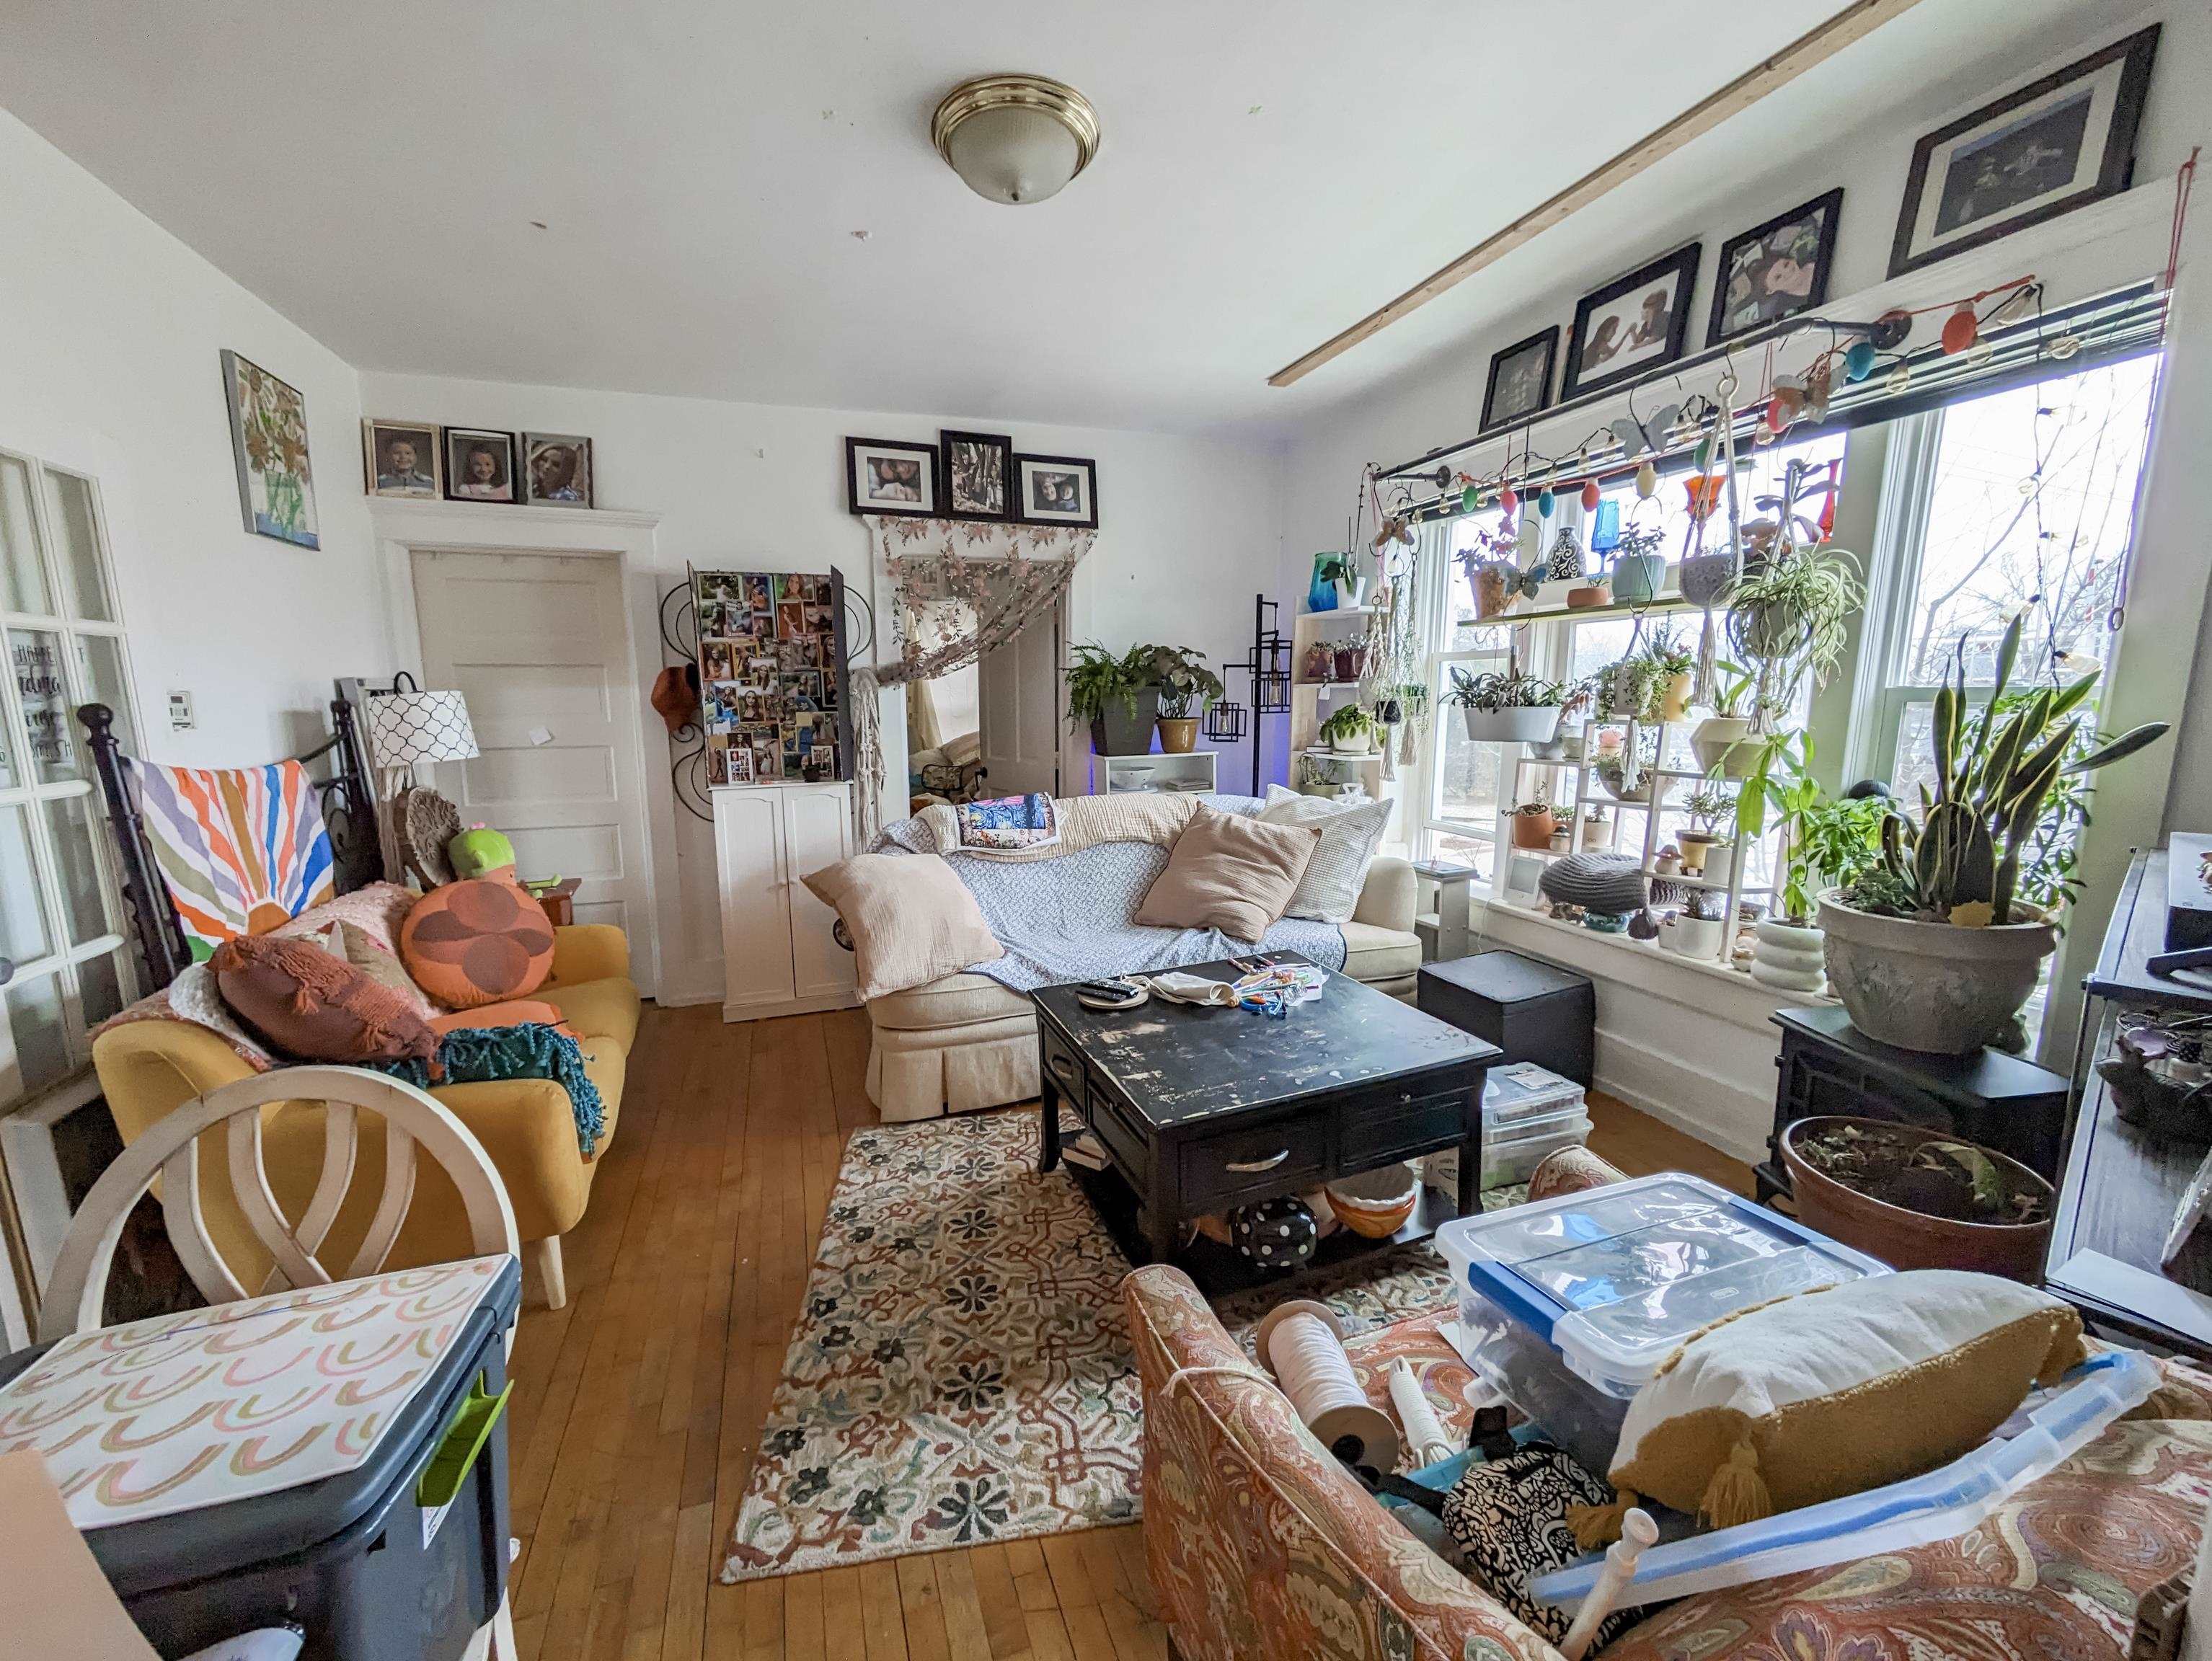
x: 1596, y: 1527
x: 1737, y: 1493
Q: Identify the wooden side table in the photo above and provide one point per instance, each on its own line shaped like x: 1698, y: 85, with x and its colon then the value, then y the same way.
x: 559, y: 901
x: 1452, y: 935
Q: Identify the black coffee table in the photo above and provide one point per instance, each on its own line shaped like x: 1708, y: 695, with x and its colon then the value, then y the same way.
x: 1202, y: 1109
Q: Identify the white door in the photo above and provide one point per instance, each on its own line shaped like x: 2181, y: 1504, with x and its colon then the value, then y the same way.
x: 757, y: 892
x: 818, y: 831
x: 539, y: 646
x: 1017, y: 701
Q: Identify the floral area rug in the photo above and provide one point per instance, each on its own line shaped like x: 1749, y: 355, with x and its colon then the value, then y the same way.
x: 961, y: 1370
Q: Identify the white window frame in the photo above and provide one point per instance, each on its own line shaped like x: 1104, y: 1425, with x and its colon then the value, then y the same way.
x: 62, y: 961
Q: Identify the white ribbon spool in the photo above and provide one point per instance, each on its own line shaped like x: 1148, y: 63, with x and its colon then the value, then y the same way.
x: 1302, y: 1343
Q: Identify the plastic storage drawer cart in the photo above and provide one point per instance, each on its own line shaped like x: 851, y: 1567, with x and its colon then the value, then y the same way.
x: 399, y: 1556
x: 1528, y: 1113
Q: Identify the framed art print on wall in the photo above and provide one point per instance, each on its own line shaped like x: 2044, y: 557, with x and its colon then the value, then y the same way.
x: 887, y: 475
x: 269, y: 444
x: 1520, y: 381
x: 1633, y: 324
x: 978, y: 475
x: 1056, y: 490
x: 2055, y: 145
x: 1774, y: 271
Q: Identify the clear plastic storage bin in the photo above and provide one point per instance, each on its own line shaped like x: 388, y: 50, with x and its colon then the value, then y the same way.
x: 1527, y: 1112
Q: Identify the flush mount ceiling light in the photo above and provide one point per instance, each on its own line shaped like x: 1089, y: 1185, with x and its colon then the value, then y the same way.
x: 1015, y: 139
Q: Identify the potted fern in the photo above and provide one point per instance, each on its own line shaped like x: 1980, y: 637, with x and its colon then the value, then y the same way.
x: 1116, y: 696
x: 1934, y: 948
x: 1507, y: 707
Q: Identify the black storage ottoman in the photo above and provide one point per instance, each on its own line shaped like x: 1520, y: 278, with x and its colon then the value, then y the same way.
x: 1534, y: 1011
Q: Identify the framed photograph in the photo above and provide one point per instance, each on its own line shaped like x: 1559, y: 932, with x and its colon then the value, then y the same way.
x: 978, y: 474
x: 2053, y: 146
x: 479, y: 465
x: 1633, y: 324
x: 556, y: 470
x: 1521, y: 378
x: 400, y: 458
x: 1774, y: 271
x: 1056, y: 490
x: 886, y: 477
x: 269, y: 443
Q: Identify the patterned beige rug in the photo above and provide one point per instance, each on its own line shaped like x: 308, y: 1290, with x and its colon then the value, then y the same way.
x: 961, y: 1371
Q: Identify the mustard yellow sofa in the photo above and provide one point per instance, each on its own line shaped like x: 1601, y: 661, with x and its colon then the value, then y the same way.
x: 148, y: 1068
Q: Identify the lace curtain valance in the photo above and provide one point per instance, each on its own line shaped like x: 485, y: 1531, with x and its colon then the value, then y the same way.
x: 1003, y: 575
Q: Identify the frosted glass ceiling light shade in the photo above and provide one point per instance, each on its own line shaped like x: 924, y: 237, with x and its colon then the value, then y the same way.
x: 1015, y: 139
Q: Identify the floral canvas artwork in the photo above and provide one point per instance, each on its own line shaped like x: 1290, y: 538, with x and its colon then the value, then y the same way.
x: 268, y: 442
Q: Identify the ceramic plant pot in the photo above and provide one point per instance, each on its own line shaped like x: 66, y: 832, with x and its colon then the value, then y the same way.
x: 1705, y: 577
x: 1696, y: 844
x: 1534, y: 831
x: 1788, y: 956
x: 1588, y: 595
x: 1526, y: 723
x: 1675, y: 702
x: 1118, y: 730
x: 1637, y: 577
x: 1178, y: 735
x: 1360, y: 744
x: 1720, y: 859
x: 1913, y: 1239
x: 1931, y: 987
x: 1690, y: 937
x: 1720, y: 741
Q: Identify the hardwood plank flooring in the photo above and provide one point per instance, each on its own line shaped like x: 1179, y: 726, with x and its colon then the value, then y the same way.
x: 638, y: 1408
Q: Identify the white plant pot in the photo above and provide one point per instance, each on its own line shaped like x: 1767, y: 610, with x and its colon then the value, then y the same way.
x: 1596, y: 833
x: 1720, y: 858
x: 1361, y: 745
x: 1931, y: 987
x: 1788, y: 956
x: 1525, y: 725
x: 1719, y: 741
x: 1691, y: 937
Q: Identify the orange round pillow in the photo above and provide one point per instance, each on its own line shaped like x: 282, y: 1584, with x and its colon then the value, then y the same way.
x: 476, y: 942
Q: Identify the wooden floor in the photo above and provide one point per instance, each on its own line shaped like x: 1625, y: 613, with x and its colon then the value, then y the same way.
x: 637, y: 1408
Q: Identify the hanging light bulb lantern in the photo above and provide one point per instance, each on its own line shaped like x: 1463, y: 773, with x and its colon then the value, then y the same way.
x: 1545, y: 502
x: 1703, y: 458
x: 1590, y: 495
x: 2015, y: 306
x: 1858, y: 362
x: 1647, y: 481
x: 1979, y: 354
x: 1782, y: 409
x: 1961, y: 329
x: 2065, y: 347
x: 1509, y: 500
x: 1899, y: 379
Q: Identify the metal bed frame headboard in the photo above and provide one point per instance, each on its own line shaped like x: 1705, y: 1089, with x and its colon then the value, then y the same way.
x: 349, y: 812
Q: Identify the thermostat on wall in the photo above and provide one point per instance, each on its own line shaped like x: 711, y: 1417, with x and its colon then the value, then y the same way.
x: 181, y: 711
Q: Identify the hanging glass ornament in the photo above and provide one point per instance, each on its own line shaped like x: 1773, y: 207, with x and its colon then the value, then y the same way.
x: 1961, y: 329
x: 1469, y: 500
x: 1899, y: 379
x: 1979, y: 354
x: 1647, y: 481
x: 1508, y: 498
x: 1703, y: 458
x: 1590, y: 495
x: 1858, y: 362
x: 1545, y: 502
x: 2065, y: 347
x: 2014, y: 307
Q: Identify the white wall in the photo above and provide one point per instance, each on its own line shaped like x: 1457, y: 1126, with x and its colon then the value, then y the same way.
x: 1699, y: 194
x: 108, y: 362
x: 1187, y: 537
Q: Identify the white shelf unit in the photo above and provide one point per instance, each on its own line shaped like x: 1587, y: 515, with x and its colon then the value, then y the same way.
x: 1313, y: 699
x: 1589, y: 792
x: 1160, y: 770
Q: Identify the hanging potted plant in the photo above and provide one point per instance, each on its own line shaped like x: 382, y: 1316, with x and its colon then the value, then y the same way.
x: 1185, y: 686
x: 1937, y: 946
x: 1533, y: 825
x: 1349, y: 732
x: 1619, y: 689
x: 1788, y: 609
x: 1494, y: 575
x: 1668, y: 668
x: 1117, y: 697
x: 1722, y: 742
x: 1507, y: 707
x: 1639, y: 565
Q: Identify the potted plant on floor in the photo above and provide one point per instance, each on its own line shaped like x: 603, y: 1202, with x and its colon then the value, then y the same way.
x: 1185, y: 686
x: 1507, y: 707
x: 1919, y: 1198
x: 1935, y: 947
x: 1706, y: 809
x: 1116, y: 696
x: 1349, y: 731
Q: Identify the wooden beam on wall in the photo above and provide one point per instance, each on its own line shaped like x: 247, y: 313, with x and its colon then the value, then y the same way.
x: 1855, y: 22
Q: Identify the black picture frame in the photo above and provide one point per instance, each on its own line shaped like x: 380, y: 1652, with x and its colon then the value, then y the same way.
x: 1910, y: 251
x: 1025, y: 514
x: 1493, y: 417
x: 1682, y: 265
x: 1829, y: 207
x: 459, y: 489
x: 929, y: 484
x: 950, y: 487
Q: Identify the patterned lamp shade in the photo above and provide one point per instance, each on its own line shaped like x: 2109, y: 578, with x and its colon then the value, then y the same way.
x: 407, y: 727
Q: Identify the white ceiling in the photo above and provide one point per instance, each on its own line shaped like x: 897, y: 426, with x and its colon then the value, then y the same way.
x: 1271, y: 169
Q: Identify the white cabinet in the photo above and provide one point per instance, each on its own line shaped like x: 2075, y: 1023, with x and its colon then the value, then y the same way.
x: 779, y: 956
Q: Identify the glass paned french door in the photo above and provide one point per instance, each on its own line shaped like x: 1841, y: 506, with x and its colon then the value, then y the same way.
x: 65, y: 964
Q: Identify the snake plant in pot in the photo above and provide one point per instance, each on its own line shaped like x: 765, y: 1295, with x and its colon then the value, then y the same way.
x: 1934, y: 948
x: 1510, y: 707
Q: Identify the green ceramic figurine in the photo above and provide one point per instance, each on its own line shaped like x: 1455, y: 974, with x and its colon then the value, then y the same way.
x: 479, y: 851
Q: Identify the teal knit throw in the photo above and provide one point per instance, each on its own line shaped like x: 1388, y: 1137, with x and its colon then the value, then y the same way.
x: 478, y: 1055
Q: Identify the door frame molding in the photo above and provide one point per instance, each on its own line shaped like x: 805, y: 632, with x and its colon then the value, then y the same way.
x: 404, y: 529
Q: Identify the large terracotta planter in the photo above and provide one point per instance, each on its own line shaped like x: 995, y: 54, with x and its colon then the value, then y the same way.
x: 1931, y: 987
x: 1533, y: 830
x: 1913, y: 1239
x: 1527, y: 724
x: 1178, y: 735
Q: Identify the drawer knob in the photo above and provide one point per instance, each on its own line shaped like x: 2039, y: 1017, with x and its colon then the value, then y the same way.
x: 1248, y: 1166
x: 1063, y: 1066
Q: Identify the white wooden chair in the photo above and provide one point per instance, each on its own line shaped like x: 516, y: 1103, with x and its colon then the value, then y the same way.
x: 171, y: 1150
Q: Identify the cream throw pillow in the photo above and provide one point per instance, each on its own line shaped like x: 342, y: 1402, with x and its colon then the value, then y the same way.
x: 1329, y: 891
x: 1230, y: 873
x: 911, y: 919
x: 1834, y: 1392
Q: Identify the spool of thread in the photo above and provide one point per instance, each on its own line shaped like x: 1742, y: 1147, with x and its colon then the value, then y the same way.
x: 1302, y: 1343
x: 1424, y: 1432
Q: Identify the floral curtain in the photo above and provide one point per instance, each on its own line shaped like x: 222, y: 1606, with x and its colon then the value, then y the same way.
x: 1005, y: 575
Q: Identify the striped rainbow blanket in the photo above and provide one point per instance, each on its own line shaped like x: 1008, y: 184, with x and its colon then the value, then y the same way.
x: 241, y: 849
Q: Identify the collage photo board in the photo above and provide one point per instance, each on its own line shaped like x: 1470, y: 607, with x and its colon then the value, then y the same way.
x: 772, y: 677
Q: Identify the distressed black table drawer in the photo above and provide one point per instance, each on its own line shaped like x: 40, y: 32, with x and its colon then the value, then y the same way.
x: 1397, y: 1124
x: 1270, y: 1158
x: 1065, y: 1068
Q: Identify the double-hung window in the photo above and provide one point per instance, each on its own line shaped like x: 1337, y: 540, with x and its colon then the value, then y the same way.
x: 65, y: 965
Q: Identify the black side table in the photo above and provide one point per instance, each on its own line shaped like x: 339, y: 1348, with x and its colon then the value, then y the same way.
x: 1828, y: 1066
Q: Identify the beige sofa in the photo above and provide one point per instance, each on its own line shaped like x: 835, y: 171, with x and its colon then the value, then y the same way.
x: 965, y: 1042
